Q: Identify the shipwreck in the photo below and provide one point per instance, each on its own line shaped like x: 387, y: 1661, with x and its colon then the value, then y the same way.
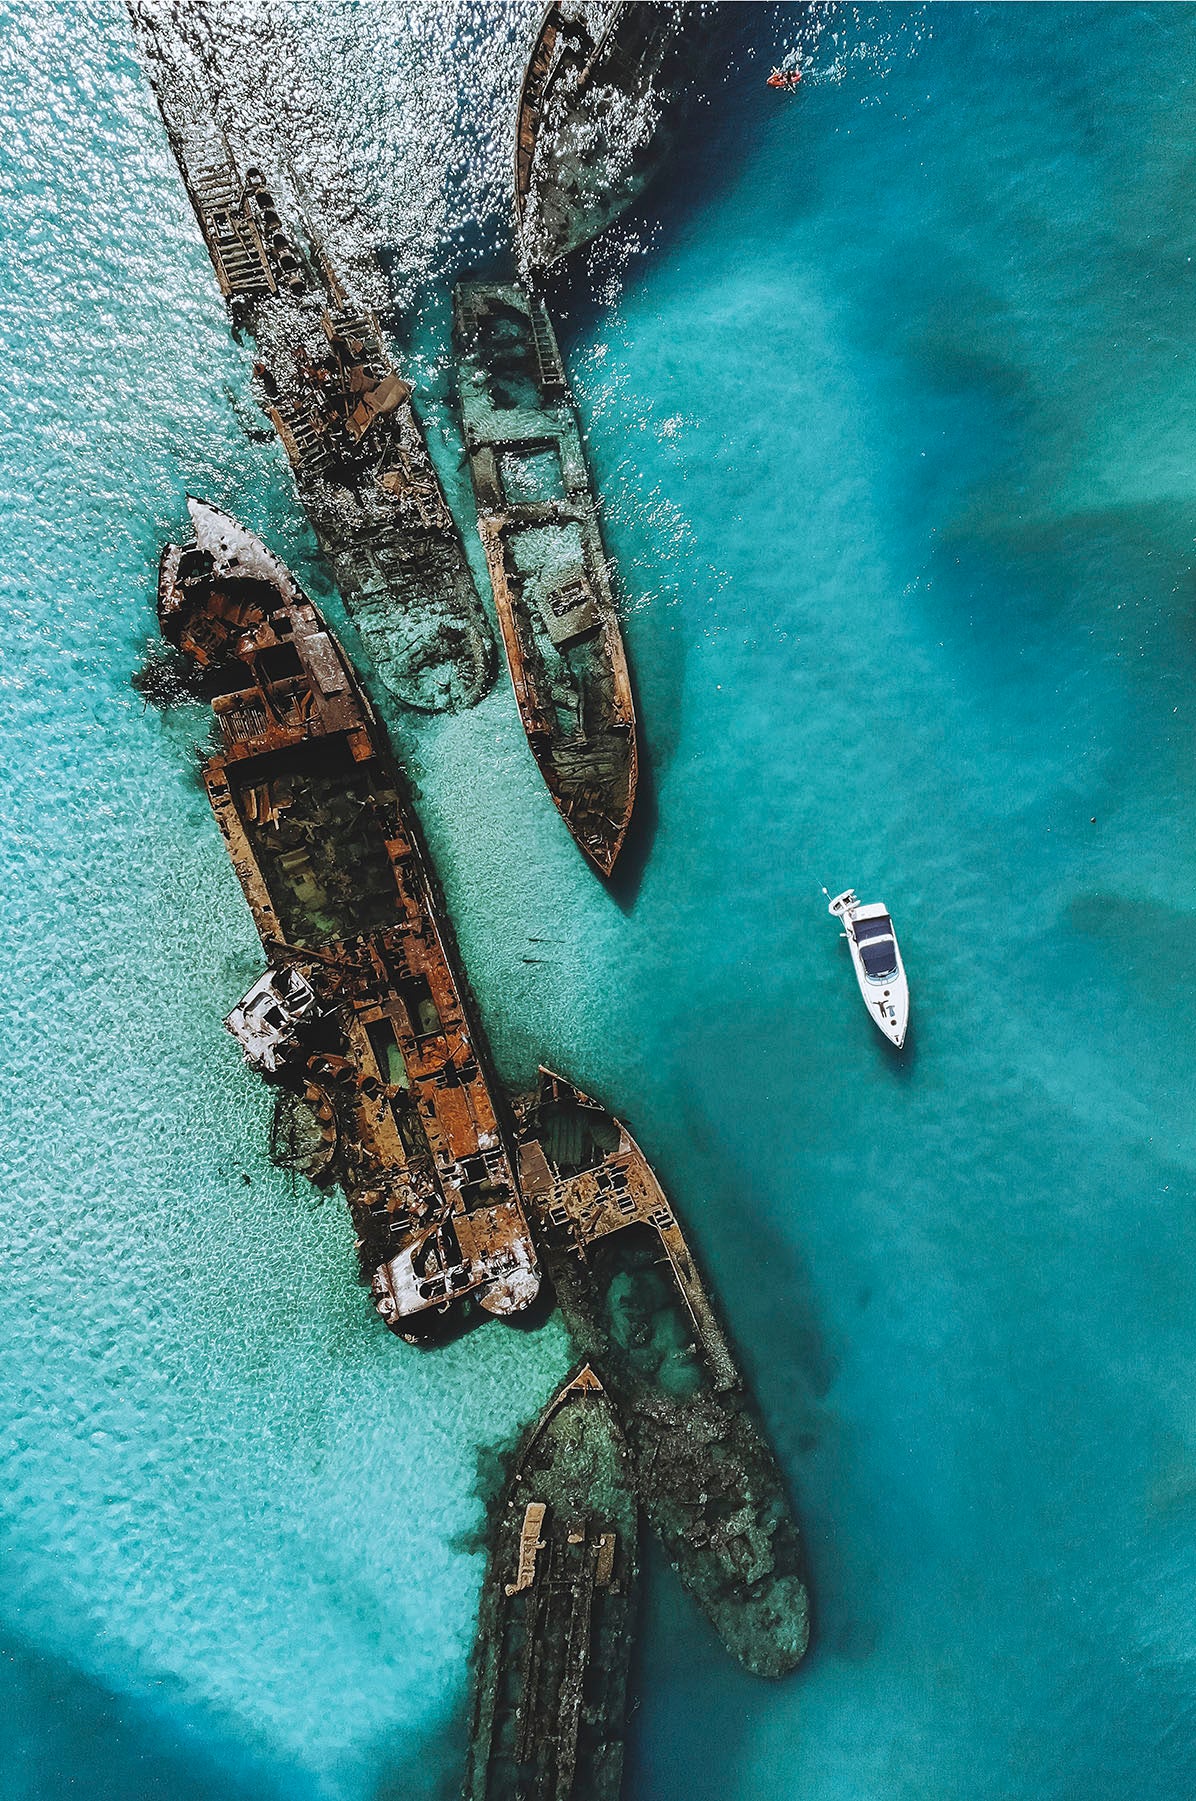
x: 558, y: 1610
x: 325, y: 379
x: 362, y: 1017
x: 539, y: 526
x: 635, y: 1304
x: 587, y: 118
x: 364, y: 1023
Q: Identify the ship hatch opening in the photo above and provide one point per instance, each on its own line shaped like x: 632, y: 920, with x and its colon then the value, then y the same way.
x: 422, y: 1010
x: 233, y: 677
x: 279, y: 662
x: 651, y: 1330
x: 321, y: 846
x: 532, y: 475
x: 410, y: 1128
x: 387, y: 1053
x: 576, y: 1138
x: 505, y: 350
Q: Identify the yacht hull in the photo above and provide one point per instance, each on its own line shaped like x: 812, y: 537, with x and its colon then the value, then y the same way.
x: 885, y: 995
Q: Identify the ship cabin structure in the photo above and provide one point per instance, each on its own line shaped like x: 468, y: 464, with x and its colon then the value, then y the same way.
x: 363, y: 1015
x: 636, y: 1305
x: 539, y: 526
x: 325, y: 379
x: 558, y: 1610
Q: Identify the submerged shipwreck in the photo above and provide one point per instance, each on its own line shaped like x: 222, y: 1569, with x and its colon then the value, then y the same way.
x: 362, y: 1016
x: 539, y: 527
x: 463, y: 1198
x: 635, y: 1304
x: 364, y: 1023
x: 341, y: 410
x: 558, y: 1611
x: 586, y: 120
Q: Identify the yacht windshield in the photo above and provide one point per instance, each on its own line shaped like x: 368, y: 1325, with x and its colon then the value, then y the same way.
x: 879, y: 957
x: 880, y: 927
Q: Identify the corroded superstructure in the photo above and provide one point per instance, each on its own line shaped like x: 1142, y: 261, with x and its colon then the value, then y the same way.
x: 363, y: 1020
x: 363, y: 1017
x: 363, y: 1023
x: 635, y: 1304
x: 325, y: 379
x: 539, y: 526
x: 558, y: 1610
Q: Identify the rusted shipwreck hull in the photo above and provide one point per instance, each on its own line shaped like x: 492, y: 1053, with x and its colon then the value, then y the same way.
x: 364, y: 1024
x: 635, y: 1304
x: 551, y: 579
x: 558, y: 1611
x: 585, y: 122
x: 326, y: 381
x: 363, y: 1017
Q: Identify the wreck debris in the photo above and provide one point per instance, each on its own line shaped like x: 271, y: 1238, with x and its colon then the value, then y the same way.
x: 538, y: 522
x: 558, y: 1611
x: 165, y: 680
x: 268, y: 1022
x: 325, y: 380
x: 303, y: 1134
x: 363, y: 1013
x: 704, y: 1473
x: 586, y: 118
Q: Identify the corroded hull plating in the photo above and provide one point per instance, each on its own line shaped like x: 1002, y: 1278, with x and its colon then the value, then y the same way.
x: 363, y: 1017
x: 325, y: 380
x: 539, y: 527
x: 585, y: 122
x: 558, y: 1611
x: 635, y: 1303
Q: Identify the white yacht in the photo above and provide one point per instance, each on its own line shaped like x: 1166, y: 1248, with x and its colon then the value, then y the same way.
x: 878, y: 966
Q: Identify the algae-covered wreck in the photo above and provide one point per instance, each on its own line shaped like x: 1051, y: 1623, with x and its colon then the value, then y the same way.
x: 364, y: 1021
x: 635, y: 1304
x: 325, y: 379
x: 558, y: 1610
x: 538, y: 521
x: 363, y: 1016
x: 586, y: 119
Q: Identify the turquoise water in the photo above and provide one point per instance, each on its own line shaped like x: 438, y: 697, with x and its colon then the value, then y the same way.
x: 894, y: 424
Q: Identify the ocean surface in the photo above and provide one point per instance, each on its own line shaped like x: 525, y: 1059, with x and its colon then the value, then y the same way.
x: 890, y: 387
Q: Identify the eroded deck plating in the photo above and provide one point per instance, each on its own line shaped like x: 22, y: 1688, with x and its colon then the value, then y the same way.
x: 538, y: 522
x: 341, y: 410
x: 558, y: 1611
x: 363, y: 1014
